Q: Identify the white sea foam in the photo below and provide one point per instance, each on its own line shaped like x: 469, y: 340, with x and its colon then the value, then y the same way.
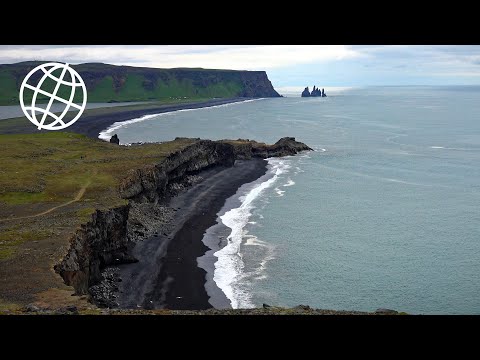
x: 279, y: 192
x: 229, y: 266
x: 298, y: 170
x: 290, y: 182
x: 454, y: 148
x: 319, y: 148
x: 107, y: 133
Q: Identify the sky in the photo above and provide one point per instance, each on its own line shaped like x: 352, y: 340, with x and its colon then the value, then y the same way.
x: 287, y: 66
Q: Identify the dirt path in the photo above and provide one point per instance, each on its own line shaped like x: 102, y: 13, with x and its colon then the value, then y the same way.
x: 79, y: 195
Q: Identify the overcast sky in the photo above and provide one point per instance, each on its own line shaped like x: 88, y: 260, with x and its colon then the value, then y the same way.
x: 286, y: 65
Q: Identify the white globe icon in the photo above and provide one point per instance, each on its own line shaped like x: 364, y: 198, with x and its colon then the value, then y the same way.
x: 47, y: 119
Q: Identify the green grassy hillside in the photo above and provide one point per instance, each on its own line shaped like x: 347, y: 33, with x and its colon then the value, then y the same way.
x: 109, y: 83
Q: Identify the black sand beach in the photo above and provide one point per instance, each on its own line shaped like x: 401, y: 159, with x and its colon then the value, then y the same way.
x: 92, y: 122
x: 167, y: 274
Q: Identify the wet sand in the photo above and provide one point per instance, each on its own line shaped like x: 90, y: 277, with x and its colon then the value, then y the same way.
x: 167, y: 274
x: 93, y: 121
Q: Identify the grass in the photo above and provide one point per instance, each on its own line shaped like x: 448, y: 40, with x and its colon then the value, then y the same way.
x: 7, y: 307
x: 22, y: 197
x: 53, y: 166
x: 8, y: 88
x: 135, y: 84
x: 85, y: 214
x: 40, y: 171
x: 10, y: 239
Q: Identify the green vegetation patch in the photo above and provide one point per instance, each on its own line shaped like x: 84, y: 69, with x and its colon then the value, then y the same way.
x: 107, y: 83
x: 10, y: 239
x: 55, y: 166
x: 85, y: 214
x: 22, y: 197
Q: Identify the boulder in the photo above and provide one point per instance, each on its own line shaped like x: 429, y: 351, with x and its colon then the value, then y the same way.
x: 115, y: 140
x: 31, y: 308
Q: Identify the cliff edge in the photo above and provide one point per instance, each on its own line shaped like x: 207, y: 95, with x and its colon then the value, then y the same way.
x: 108, y: 237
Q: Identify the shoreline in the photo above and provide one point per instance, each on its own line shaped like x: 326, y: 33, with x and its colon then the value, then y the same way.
x: 94, y: 121
x: 222, y: 236
x: 93, y: 125
x: 172, y: 278
x: 106, y: 134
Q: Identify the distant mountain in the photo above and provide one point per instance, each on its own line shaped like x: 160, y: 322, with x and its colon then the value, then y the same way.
x: 111, y: 83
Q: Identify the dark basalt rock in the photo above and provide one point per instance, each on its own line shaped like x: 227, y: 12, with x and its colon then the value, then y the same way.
x: 115, y: 140
x: 386, y: 312
x: 315, y: 92
x: 109, y: 236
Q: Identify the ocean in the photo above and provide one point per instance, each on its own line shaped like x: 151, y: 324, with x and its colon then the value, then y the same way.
x: 383, y: 214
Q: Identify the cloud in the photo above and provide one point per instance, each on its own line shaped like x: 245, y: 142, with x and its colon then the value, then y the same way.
x: 287, y: 65
x: 217, y: 56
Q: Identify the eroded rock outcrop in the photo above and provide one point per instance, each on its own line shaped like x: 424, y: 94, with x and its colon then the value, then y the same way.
x: 115, y: 140
x: 100, y: 242
x: 246, y: 149
x: 150, y: 182
x: 316, y: 92
x: 107, y: 239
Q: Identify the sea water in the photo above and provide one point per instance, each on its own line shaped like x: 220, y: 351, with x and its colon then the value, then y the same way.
x: 383, y: 214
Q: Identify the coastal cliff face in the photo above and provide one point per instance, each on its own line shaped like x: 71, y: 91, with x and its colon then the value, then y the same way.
x: 110, y: 83
x: 149, y: 184
x: 100, y: 242
x: 256, y: 84
x: 110, y: 234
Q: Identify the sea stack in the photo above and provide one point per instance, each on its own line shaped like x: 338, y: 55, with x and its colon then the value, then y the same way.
x: 315, y: 92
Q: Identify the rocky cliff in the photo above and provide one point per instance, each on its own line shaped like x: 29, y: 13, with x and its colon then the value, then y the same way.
x: 110, y: 83
x: 100, y: 242
x: 246, y: 149
x: 110, y: 234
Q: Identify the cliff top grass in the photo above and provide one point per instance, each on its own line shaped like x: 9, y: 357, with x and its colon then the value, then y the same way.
x: 50, y: 183
x: 52, y: 167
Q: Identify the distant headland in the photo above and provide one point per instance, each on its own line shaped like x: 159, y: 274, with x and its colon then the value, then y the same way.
x: 112, y: 83
x: 315, y: 92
